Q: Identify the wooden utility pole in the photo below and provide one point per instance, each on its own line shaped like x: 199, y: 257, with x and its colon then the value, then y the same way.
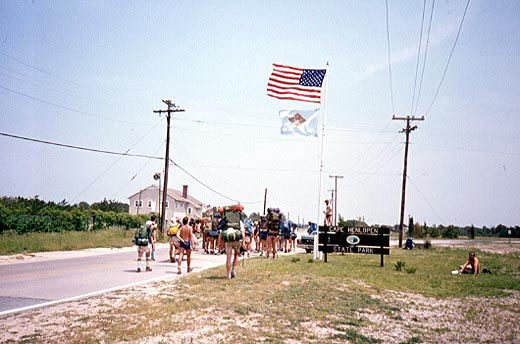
x: 407, y: 131
x: 336, y: 198
x: 171, y: 108
x: 265, y: 199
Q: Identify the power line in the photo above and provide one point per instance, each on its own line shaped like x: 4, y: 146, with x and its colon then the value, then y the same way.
x: 46, y: 72
x: 389, y: 63
x: 425, y: 56
x: 209, y: 187
x: 424, y: 198
x: 69, y: 108
x: 114, y: 163
x: 135, y: 175
x: 80, y: 148
x: 418, y: 57
x: 449, y: 59
x: 63, y: 89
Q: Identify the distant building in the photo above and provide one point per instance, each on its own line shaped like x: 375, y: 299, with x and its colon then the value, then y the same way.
x: 178, y: 203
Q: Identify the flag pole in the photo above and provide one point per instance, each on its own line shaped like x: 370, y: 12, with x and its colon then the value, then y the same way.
x: 316, y: 254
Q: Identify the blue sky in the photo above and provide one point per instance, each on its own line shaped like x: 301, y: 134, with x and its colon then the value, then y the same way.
x: 90, y: 74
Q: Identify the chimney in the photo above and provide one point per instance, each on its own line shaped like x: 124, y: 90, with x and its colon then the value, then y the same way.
x: 185, y: 191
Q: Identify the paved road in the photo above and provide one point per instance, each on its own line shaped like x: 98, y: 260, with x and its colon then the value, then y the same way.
x: 38, y: 282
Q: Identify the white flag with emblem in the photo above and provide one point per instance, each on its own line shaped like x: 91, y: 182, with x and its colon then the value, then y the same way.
x: 298, y: 122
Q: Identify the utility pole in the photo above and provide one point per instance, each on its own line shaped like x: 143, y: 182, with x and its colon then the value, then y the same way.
x: 336, y: 198
x: 407, y: 131
x: 265, y: 199
x: 171, y: 108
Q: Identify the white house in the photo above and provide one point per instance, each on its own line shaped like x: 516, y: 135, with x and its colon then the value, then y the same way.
x: 178, y: 203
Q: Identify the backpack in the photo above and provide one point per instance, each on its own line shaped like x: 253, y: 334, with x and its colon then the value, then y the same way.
x: 231, y: 234
x: 273, y: 220
x: 142, y: 235
x: 232, y: 218
x: 286, y: 228
x: 230, y: 223
x: 249, y: 226
x: 173, y: 230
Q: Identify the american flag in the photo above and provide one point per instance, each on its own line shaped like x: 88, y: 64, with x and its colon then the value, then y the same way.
x: 294, y: 83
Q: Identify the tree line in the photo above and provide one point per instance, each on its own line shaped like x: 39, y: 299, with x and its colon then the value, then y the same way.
x: 25, y: 215
x: 417, y: 230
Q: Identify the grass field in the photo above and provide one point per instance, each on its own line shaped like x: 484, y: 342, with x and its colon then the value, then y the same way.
x: 11, y: 243
x: 294, y: 299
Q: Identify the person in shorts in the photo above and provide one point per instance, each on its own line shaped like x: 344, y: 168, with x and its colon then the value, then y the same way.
x: 232, y: 251
x: 186, y: 242
x: 142, y: 239
x: 173, y: 240
x: 472, y: 265
x: 154, y: 235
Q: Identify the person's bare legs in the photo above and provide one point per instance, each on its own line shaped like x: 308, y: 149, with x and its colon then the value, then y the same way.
x: 188, y: 259
x: 229, y: 251
x: 179, y: 260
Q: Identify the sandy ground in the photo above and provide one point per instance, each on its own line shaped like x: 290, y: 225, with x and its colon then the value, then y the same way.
x: 410, y: 316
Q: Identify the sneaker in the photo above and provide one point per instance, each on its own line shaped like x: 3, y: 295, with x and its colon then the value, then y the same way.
x: 233, y: 274
x: 138, y: 269
x: 148, y: 268
x: 178, y: 271
x: 190, y: 269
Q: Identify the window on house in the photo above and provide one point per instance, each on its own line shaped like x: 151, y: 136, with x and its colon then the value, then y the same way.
x: 149, y: 204
x: 138, y: 203
x: 189, y: 210
x: 167, y: 204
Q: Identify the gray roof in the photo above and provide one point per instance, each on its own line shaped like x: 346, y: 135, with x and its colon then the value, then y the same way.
x: 175, y: 194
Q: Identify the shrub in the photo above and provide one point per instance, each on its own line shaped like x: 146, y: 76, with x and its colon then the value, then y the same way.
x: 399, y: 265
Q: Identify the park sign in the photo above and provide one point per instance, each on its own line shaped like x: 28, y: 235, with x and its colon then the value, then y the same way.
x: 363, y: 240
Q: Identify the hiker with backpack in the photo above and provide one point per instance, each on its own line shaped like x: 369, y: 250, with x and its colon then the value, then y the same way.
x: 256, y: 237
x: 249, y: 235
x: 232, y: 235
x: 142, y: 238
x: 286, y: 236
x: 262, y: 234
x: 173, y: 240
x: 273, y: 228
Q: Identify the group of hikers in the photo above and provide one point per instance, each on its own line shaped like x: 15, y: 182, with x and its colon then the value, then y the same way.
x: 225, y: 230
x: 229, y: 231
